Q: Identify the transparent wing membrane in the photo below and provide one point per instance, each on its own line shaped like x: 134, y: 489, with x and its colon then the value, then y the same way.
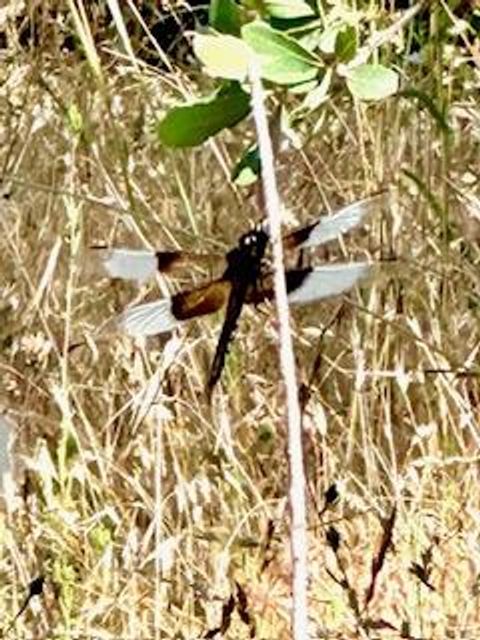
x: 304, y: 286
x: 128, y: 264
x: 309, y: 285
x: 148, y: 319
x: 332, y: 227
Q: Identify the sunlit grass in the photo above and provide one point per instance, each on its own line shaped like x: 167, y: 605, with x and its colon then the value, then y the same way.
x: 142, y: 504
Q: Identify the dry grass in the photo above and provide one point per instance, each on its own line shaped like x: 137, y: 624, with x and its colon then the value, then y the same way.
x: 143, y: 505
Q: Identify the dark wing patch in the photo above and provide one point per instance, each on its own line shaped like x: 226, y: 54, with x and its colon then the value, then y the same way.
x: 153, y: 318
x: 169, y: 261
x: 199, y: 302
x: 332, y: 227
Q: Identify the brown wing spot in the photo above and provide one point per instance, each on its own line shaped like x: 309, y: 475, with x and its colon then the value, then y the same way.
x: 299, y: 236
x: 199, y: 302
x: 167, y: 260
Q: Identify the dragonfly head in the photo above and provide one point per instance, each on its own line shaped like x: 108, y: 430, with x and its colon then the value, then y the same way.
x: 254, y: 243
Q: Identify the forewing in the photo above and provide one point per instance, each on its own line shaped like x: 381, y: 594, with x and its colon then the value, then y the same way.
x: 157, y: 317
x: 127, y: 264
x: 140, y: 264
x: 331, y: 227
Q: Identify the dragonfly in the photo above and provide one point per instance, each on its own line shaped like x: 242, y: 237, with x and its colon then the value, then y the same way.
x: 246, y: 277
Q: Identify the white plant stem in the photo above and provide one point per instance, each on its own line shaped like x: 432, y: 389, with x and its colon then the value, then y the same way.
x: 298, y: 532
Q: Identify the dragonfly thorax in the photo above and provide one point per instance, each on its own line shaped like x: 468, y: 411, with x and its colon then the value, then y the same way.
x: 246, y: 259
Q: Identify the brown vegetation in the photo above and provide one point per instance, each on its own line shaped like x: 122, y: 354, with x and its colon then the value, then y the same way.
x: 152, y: 513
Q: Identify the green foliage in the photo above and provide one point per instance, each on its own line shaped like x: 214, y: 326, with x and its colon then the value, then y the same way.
x: 372, y: 82
x: 305, y: 55
x: 223, y: 56
x: 224, y: 16
x: 247, y: 170
x: 346, y: 44
x: 101, y: 535
x: 192, y: 124
x: 282, y: 60
x: 289, y: 9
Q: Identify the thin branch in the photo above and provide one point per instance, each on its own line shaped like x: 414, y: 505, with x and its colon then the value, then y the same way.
x: 298, y: 533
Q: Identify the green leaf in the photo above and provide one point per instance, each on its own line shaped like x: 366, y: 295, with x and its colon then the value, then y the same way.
x: 224, y: 16
x: 247, y: 170
x: 288, y: 9
x: 346, y: 44
x: 282, y: 59
x: 190, y: 125
x: 223, y: 56
x: 372, y: 82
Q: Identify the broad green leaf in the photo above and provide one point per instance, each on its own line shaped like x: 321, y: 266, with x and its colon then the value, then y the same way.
x: 192, y: 124
x: 372, y: 82
x: 346, y: 44
x: 247, y: 170
x: 282, y: 59
x: 223, y: 56
x: 287, y: 9
x: 224, y: 16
